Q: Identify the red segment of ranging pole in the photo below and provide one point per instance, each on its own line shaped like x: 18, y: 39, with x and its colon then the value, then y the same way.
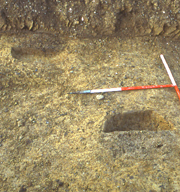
x: 170, y: 75
x: 146, y: 87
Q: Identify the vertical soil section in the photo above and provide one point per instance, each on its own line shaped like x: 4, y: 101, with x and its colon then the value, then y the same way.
x: 92, y: 18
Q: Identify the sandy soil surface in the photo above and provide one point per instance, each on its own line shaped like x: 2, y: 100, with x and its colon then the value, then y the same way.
x: 51, y: 140
x: 55, y: 141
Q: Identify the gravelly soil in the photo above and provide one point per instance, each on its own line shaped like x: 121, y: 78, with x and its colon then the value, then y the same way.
x: 55, y: 141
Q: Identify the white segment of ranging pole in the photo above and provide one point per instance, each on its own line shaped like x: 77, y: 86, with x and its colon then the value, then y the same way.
x: 106, y: 90
x: 167, y: 69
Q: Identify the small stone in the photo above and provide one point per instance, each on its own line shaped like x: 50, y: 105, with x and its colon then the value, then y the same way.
x: 22, y: 189
x: 60, y: 183
x: 20, y: 122
x: 6, y: 110
x: 99, y: 97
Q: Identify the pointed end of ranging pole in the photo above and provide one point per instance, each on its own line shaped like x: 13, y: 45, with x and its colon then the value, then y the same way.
x: 80, y: 92
x: 73, y: 93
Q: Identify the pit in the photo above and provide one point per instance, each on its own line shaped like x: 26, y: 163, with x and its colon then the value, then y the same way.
x: 137, y: 121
